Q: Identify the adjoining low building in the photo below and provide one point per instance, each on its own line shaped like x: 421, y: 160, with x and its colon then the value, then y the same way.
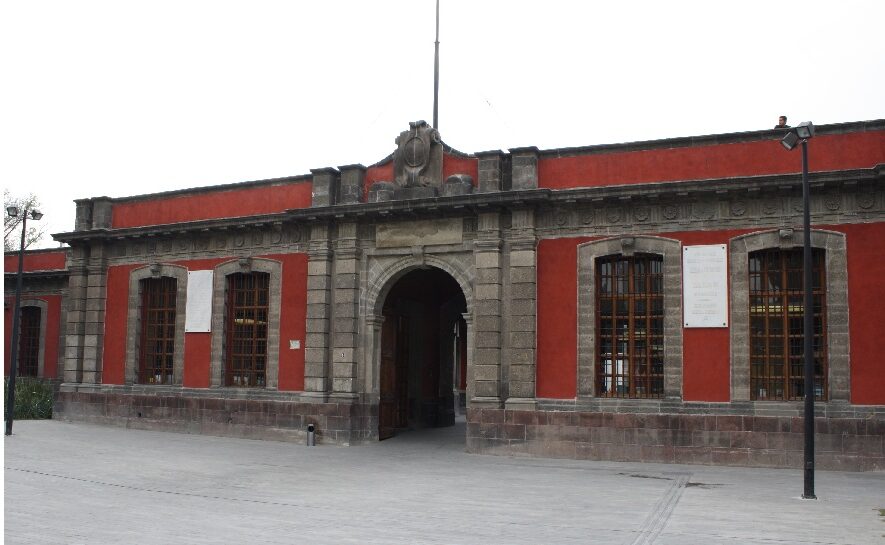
x: 633, y: 301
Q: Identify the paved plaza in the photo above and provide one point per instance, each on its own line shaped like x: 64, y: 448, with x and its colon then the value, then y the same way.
x: 75, y: 483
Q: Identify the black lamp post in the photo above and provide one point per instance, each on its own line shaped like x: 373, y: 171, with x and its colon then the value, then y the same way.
x: 800, y: 134
x: 13, y: 211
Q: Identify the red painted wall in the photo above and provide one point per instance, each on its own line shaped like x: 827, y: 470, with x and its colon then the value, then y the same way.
x: 36, y: 261
x: 557, y: 324
x: 826, y: 152
x: 113, y: 365
x: 53, y: 323
x: 453, y: 164
x: 706, y: 351
x: 249, y: 201
x: 866, y: 320
x: 197, y: 346
x: 293, y: 318
x: 377, y: 173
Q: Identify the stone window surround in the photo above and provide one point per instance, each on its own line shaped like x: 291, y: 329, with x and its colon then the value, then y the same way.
x: 671, y: 252
x: 219, y: 303
x: 133, y: 327
x: 44, y: 310
x: 833, y: 243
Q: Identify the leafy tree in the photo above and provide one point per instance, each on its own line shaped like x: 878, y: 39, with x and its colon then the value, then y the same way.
x: 12, y: 225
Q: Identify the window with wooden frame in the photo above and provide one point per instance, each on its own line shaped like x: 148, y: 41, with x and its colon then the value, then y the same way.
x: 777, y: 314
x: 158, y: 301
x: 248, y: 297
x: 630, y: 326
x: 29, y: 342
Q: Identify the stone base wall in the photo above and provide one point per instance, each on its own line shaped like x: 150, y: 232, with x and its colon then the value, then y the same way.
x: 844, y: 444
x: 276, y: 418
x: 841, y: 443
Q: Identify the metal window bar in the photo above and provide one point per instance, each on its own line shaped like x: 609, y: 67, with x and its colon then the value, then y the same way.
x: 158, y: 300
x: 776, y: 325
x: 630, y: 326
x: 246, y: 329
x: 29, y: 342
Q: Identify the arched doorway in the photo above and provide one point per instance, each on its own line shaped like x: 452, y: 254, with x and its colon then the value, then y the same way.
x: 423, y: 353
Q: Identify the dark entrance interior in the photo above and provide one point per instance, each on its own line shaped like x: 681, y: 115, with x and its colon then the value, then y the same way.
x: 423, y: 353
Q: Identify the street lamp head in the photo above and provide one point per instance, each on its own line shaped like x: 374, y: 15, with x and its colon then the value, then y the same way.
x: 790, y: 140
x: 805, y: 129
x: 36, y: 214
x: 12, y: 211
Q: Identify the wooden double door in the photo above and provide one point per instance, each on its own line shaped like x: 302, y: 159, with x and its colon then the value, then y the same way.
x: 393, y: 407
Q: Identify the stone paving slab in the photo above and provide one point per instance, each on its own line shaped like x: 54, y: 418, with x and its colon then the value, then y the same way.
x: 77, y: 483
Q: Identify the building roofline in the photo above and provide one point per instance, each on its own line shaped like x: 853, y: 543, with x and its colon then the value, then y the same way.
x: 14, y: 253
x: 478, y: 202
x: 300, y: 178
x: 710, y: 139
x: 677, y: 142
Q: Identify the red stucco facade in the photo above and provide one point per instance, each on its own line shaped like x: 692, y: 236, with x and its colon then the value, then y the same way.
x: 509, y: 228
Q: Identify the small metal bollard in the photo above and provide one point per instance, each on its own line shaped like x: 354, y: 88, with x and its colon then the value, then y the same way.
x: 311, y: 436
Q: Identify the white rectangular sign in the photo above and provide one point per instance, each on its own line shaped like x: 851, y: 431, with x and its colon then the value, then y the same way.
x: 705, y: 285
x: 198, y: 310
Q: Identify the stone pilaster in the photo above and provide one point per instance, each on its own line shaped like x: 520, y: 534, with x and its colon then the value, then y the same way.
x: 345, y: 312
x: 319, y: 287
x: 353, y: 179
x: 521, y: 309
x: 75, y: 325
x: 491, y: 171
x: 486, y: 369
x: 93, y: 316
x: 524, y: 163
x: 325, y: 186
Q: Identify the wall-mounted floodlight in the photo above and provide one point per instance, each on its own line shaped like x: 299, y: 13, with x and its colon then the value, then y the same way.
x: 790, y: 140
x: 805, y: 129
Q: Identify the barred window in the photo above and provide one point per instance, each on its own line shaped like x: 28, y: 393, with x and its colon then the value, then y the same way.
x: 630, y: 326
x: 29, y: 342
x: 246, y: 329
x: 158, y: 300
x: 777, y: 313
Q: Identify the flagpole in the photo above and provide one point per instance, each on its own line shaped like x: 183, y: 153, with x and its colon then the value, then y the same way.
x: 436, y: 73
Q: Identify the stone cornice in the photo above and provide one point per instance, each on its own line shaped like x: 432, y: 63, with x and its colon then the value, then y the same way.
x: 36, y: 275
x: 483, y: 202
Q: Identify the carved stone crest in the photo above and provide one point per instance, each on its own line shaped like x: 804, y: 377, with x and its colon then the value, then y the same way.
x: 770, y: 207
x: 702, y: 210
x: 417, y: 161
x: 866, y: 200
x: 738, y: 208
x: 833, y: 201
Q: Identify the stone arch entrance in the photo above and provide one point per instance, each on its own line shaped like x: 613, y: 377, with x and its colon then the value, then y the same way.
x: 422, y: 356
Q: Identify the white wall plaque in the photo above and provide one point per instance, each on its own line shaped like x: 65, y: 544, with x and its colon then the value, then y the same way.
x: 705, y: 285
x: 198, y: 309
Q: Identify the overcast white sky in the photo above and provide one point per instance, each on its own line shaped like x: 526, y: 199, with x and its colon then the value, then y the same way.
x: 121, y: 98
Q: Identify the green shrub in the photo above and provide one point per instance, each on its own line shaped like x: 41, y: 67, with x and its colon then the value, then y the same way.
x: 33, y: 398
